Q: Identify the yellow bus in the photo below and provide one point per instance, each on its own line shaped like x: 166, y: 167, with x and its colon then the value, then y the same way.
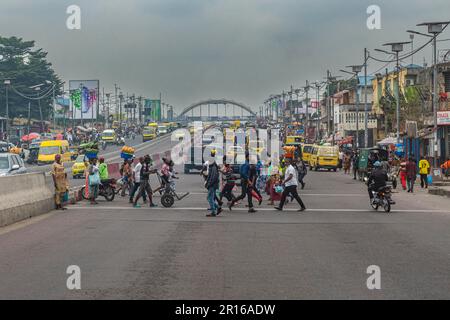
x: 50, y: 148
x: 326, y: 157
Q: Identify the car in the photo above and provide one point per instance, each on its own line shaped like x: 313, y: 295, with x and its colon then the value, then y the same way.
x: 79, y: 166
x: 11, y: 164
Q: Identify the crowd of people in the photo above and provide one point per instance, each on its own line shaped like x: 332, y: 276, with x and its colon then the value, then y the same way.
x: 256, y: 177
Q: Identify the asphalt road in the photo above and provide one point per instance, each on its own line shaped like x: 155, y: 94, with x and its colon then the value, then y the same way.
x: 178, y: 253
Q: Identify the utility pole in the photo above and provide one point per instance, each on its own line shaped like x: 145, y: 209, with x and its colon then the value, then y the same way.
x: 7, y: 84
x: 366, y: 111
x: 306, y: 88
x: 435, y: 28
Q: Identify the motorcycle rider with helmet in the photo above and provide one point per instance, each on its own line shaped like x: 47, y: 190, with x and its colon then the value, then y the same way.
x: 377, y: 179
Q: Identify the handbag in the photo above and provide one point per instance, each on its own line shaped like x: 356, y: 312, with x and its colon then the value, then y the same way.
x: 94, y: 179
x: 65, y: 197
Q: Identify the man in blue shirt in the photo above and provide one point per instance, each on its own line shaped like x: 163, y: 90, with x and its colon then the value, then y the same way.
x: 246, y: 185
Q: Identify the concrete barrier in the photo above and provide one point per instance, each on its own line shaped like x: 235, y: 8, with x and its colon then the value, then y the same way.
x: 24, y: 196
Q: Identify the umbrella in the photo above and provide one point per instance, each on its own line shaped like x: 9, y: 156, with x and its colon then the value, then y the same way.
x: 31, y: 136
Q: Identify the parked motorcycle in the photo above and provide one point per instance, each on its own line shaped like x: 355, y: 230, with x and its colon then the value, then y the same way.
x: 382, y: 197
x: 106, y: 189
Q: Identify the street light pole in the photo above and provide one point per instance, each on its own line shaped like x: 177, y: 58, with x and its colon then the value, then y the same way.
x: 7, y: 84
x: 307, y: 87
x: 366, y: 109
x: 397, y: 47
x: 435, y: 28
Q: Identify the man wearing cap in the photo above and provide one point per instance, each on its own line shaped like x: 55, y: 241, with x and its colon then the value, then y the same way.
x: 378, y: 177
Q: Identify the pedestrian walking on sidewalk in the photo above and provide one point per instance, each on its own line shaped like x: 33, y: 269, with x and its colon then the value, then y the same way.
x: 290, y: 187
x: 411, y: 173
x: 355, y: 164
x: 424, y: 171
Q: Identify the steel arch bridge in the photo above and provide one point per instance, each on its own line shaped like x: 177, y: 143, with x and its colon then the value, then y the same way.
x: 227, y: 110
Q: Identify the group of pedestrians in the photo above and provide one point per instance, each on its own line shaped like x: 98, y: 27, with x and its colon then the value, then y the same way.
x: 254, y: 178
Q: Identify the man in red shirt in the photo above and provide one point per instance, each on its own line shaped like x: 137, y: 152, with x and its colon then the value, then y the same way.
x: 411, y: 173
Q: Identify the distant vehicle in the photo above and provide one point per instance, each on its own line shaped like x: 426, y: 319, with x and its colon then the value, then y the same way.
x: 109, y: 136
x: 324, y: 157
x: 115, y: 125
x: 162, y: 129
x: 149, y: 133
x: 11, y: 164
x: 49, y: 149
x: 79, y: 166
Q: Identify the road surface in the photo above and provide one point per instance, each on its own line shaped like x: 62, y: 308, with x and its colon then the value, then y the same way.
x: 178, y: 253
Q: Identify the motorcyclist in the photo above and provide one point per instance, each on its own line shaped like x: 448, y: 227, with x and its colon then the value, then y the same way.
x: 377, y: 179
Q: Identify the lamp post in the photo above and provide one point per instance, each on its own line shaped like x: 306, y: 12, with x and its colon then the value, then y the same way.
x: 306, y: 88
x: 435, y: 28
x: 7, y: 83
x: 397, y: 47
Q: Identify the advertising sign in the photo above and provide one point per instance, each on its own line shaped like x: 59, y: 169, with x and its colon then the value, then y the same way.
x: 84, y: 99
x: 443, y: 118
x: 152, y: 109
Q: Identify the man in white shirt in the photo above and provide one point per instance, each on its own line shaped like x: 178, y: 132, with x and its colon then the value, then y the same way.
x: 137, y: 180
x: 290, y: 186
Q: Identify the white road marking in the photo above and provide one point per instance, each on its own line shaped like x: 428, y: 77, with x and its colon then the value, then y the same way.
x: 145, y: 207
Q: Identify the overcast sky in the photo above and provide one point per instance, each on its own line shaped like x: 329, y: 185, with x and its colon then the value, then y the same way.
x: 196, y: 49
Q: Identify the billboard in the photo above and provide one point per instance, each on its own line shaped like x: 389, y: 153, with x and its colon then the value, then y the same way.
x: 84, y: 99
x: 152, y: 109
x: 443, y: 118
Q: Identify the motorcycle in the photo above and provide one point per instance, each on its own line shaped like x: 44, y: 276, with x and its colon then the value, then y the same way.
x: 382, y: 197
x: 120, y: 141
x: 107, y: 189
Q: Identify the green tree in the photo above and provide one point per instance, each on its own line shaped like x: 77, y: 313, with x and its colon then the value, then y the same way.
x: 25, y: 66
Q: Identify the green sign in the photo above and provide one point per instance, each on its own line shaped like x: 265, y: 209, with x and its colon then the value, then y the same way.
x: 152, y: 109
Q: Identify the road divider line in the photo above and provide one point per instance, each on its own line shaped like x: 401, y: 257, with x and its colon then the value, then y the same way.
x: 258, y: 209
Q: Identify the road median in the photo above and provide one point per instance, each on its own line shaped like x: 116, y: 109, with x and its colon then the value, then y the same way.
x: 24, y: 196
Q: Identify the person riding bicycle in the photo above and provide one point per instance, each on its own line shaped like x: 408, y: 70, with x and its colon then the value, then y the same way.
x: 377, y: 179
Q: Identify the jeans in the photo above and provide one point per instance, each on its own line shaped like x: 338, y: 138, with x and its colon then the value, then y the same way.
x: 212, y: 199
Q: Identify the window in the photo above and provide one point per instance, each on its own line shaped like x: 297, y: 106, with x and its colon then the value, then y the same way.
x: 447, y: 81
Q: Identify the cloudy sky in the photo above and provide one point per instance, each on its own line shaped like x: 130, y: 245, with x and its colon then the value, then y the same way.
x: 195, y: 49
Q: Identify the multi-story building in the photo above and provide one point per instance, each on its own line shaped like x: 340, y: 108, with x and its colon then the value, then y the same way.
x: 346, y: 111
x: 416, y: 105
